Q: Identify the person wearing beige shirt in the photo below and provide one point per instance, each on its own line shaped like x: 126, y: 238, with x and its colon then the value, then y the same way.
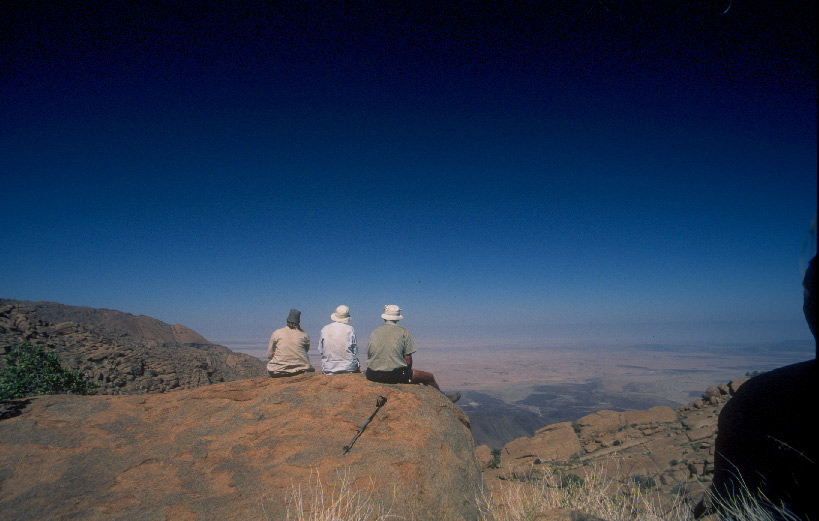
x: 287, y: 349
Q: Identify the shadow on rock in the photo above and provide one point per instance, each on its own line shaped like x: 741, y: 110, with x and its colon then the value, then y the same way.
x: 12, y: 408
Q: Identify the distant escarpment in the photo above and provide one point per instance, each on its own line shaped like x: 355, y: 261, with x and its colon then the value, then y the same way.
x: 124, y: 353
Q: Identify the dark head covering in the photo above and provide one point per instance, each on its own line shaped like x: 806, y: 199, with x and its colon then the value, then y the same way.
x: 294, y: 316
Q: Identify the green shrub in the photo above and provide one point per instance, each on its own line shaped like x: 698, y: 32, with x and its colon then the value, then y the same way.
x: 679, y: 490
x: 644, y: 482
x: 571, y: 480
x: 31, y: 370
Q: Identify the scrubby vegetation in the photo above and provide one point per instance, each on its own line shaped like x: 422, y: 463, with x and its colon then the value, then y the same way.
x: 495, y: 463
x: 604, y: 498
x: 594, y: 495
x: 31, y: 370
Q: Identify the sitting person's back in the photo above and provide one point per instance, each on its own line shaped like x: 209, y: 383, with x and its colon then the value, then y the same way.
x: 338, y: 345
x: 389, y: 345
x: 389, y: 355
x: 287, y: 349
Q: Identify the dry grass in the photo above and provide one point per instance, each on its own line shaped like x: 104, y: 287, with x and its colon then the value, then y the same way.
x: 318, y: 502
x: 612, y: 501
x: 596, y: 496
x: 747, y: 507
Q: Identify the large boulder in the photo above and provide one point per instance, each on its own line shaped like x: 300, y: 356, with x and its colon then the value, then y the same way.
x: 610, y: 421
x: 557, y: 442
x: 238, y: 450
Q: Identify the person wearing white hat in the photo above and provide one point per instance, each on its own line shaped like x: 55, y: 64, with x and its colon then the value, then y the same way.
x: 389, y: 355
x: 338, y: 346
x: 287, y: 349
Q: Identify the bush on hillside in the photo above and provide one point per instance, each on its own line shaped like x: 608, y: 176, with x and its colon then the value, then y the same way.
x: 31, y: 370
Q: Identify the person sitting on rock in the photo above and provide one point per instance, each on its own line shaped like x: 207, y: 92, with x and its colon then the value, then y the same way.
x: 337, y: 344
x: 287, y: 349
x: 389, y: 355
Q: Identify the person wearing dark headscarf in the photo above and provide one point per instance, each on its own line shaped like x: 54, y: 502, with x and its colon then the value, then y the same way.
x: 288, y: 347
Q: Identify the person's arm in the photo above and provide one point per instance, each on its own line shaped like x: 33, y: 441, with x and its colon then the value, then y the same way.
x: 408, y: 359
x: 271, y: 347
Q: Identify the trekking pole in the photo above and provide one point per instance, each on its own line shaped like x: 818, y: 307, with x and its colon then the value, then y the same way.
x: 378, y: 404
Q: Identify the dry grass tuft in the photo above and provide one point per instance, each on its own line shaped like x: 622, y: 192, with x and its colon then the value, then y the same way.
x: 317, y: 502
x: 748, y: 507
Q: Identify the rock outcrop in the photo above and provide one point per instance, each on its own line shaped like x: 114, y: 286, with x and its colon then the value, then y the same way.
x: 145, y: 356
x: 666, y: 450
x: 557, y: 442
x: 237, y: 450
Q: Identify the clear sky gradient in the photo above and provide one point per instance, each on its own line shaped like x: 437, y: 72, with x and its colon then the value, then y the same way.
x: 590, y: 171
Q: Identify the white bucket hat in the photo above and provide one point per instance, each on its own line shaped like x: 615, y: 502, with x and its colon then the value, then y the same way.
x: 342, y: 314
x: 391, y: 312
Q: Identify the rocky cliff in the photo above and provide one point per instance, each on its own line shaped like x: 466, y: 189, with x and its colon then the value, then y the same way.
x: 114, y: 324
x: 124, y: 353
x: 250, y: 449
x: 668, y: 451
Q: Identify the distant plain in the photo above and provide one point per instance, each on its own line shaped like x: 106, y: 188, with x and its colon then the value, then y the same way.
x: 510, y: 392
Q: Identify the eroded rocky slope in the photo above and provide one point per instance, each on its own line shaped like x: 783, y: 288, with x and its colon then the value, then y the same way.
x: 666, y: 451
x: 125, y: 354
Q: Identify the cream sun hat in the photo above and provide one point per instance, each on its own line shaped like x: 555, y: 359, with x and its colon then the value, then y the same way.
x: 342, y: 314
x: 391, y: 312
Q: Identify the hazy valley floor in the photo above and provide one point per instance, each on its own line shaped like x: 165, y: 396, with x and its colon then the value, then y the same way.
x: 510, y: 392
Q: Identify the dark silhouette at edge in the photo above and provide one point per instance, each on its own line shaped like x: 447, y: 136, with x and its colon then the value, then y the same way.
x: 764, y: 443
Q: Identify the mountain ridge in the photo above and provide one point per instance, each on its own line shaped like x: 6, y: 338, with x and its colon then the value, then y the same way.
x: 149, y: 330
x: 123, y: 353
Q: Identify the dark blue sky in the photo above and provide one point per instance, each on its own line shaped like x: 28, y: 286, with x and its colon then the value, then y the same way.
x: 582, y: 171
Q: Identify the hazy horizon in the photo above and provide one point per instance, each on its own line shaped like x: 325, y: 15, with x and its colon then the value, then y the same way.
x: 474, y: 366
x: 258, y: 346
